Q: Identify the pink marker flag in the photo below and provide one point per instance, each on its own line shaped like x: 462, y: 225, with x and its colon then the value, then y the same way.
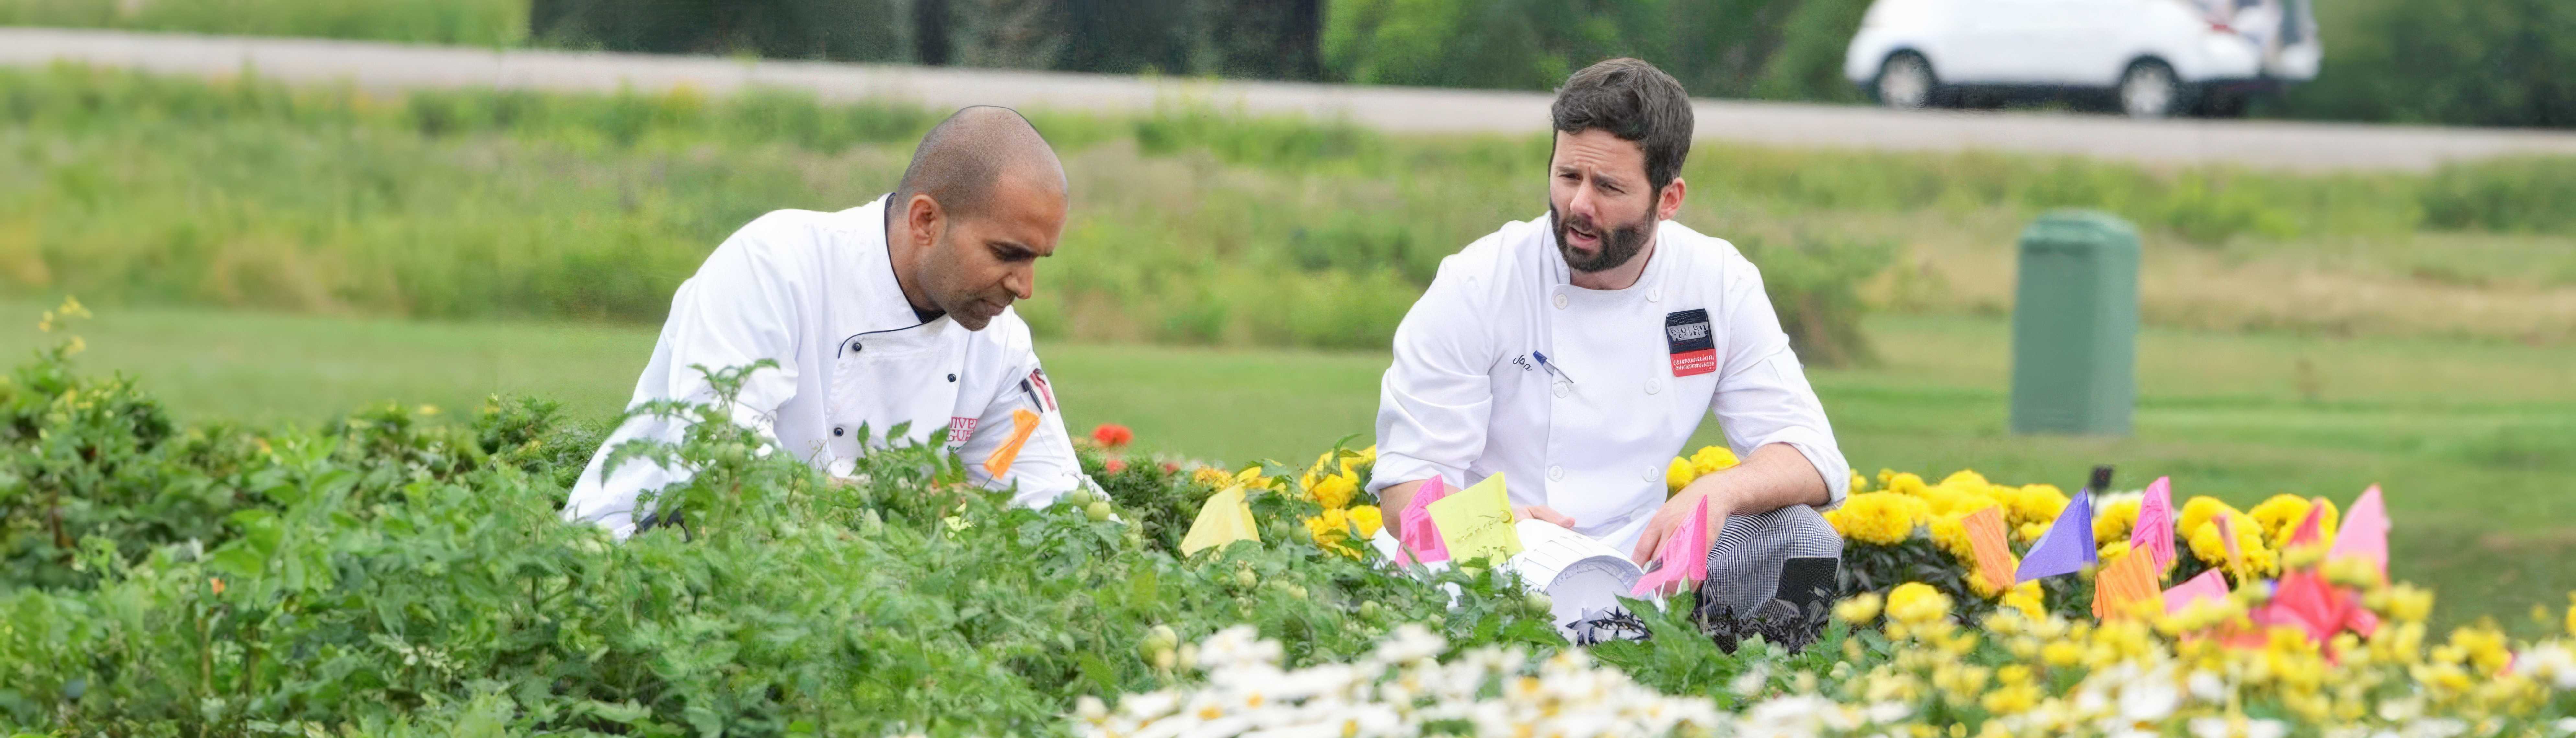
x: 2155, y: 529
x: 2311, y: 528
x: 1684, y: 555
x: 2210, y: 585
x: 2066, y: 548
x: 2365, y: 532
x: 1420, y: 537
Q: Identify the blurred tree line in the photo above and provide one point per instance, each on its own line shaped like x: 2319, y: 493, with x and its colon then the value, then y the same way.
x: 2489, y: 62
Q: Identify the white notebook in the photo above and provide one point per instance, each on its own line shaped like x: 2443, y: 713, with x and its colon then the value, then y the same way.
x: 1577, y: 572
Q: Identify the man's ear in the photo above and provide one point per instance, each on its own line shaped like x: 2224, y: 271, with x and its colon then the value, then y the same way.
x: 1668, y: 201
x: 922, y: 219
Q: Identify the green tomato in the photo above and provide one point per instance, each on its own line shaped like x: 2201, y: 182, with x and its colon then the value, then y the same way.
x: 1099, y: 511
x: 1243, y: 578
x: 1079, y: 497
x: 1538, y: 603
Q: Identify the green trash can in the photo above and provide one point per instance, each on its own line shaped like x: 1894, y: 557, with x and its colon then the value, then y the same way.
x: 2075, y: 325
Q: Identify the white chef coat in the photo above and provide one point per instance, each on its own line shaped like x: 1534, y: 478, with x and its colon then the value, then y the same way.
x: 816, y: 292
x: 1627, y: 377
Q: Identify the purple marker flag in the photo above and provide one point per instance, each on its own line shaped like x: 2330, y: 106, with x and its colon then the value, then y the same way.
x: 2066, y: 548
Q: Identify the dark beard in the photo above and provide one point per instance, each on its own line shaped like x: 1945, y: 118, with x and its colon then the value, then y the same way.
x: 1617, y: 244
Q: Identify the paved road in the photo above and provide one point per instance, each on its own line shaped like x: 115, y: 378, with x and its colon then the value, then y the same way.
x: 2268, y: 145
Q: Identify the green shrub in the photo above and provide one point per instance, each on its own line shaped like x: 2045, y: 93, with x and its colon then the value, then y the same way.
x: 379, y: 577
x: 2527, y: 194
x: 1814, y: 286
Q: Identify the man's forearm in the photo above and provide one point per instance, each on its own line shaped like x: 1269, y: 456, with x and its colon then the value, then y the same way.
x: 1772, y: 477
x: 1391, y: 503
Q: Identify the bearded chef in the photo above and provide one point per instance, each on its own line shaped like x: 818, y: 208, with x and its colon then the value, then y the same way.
x: 891, y: 313
x: 1575, y: 354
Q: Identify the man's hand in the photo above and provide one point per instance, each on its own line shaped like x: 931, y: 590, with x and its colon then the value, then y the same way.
x: 1772, y: 477
x: 1669, y: 519
x: 1542, y: 512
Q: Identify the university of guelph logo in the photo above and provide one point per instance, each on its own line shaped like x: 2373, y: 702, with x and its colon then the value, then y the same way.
x: 1693, y: 350
x: 960, y: 429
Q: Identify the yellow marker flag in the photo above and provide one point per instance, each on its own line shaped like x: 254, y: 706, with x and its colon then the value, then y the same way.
x: 1023, y: 425
x: 2123, y: 583
x: 1476, y: 522
x: 1226, y: 517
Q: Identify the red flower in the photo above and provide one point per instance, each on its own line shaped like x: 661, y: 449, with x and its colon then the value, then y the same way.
x: 1171, y: 468
x: 1114, y: 465
x: 1112, y: 435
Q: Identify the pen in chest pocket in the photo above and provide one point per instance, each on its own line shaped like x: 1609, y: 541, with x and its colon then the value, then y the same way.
x: 1550, y: 366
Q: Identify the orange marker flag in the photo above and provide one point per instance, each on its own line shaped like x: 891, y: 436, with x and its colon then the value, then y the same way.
x: 2124, y: 583
x: 1986, y: 538
x: 1023, y: 425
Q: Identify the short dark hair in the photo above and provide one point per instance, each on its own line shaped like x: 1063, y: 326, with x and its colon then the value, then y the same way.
x: 959, y: 160
x: 1635, y: 101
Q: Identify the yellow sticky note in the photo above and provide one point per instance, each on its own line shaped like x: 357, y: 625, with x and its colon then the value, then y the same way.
x: 1023, y: 424
x: 1476, y: 522
x: 1226, y: 517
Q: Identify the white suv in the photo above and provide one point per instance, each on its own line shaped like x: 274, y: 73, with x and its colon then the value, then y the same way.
x: 2161, y: 57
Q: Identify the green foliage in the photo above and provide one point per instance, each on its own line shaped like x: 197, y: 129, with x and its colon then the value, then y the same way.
x: 1190, y: 224
x: 390, y: 573
x: 2492, y: 63
x: 466, y: 22
x: 1815, y: 287
x: 2529, y: 194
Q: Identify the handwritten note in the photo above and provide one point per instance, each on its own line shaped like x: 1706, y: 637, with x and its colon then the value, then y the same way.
x: 1225, y: 518
x: 1476, y: 523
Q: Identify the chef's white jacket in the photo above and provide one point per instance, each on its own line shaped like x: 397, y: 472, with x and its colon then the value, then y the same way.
x: 1581, y: 397
x: 816, y: 292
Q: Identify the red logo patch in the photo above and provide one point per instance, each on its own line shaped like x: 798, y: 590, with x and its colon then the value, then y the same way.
x: 1694, y: 351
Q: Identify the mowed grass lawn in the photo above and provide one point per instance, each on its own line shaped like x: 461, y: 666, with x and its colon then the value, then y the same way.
x: 2474, y: 441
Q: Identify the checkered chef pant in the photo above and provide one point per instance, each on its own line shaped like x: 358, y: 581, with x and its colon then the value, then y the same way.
x: 1744, y: 562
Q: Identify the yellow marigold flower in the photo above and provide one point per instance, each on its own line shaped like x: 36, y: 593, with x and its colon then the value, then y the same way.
x: 1711, y: 459
x: 2028, y: 598
x: 1882, y: 518
x: 1965, y: 480
x: 2198, y: 510
x: 1916, y: 603
x: 1329, y: 530
x: 2112, y: 522
x: 1951, y: 535
x: 1252, y: 477
x: 2037, y: 503
x: 2571, y: 613
x: 1334, y: 492
x: 1211, y: 476
x: 1368, y: 520
x: 2112, y: 551
x: 2404, y: 603
x: 1859, y: 609
x: 1905, y: 483
x: 2030, y: 532
x: 2279, y: 515
x: 1859, y: 483
x: 2484, y: 647
x: 2061, y: 654
x: 1678, y: 475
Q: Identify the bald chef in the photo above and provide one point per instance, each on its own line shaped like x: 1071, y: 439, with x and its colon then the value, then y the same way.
x: 1576, y: 353
x: 897, y: 311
